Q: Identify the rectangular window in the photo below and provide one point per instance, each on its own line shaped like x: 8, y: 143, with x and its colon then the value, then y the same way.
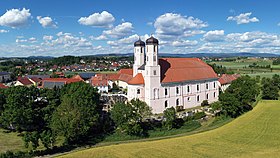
x: 197, y: 87
x: 166, y: 92
x: 214, y: 84
x: 155, y: 58
x: 155, y: 72
x: 188, y: 89
x: 207, y: 86
x: 138, y: 91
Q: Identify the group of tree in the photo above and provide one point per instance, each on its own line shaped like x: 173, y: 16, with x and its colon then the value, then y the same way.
x: 270, y: 87
x: 239, y: 96
x: 129, y: 117
x: 276, y: 61
x: 42, y: 115
x: 219, y: 69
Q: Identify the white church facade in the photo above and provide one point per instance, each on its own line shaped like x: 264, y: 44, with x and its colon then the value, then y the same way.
x: 170, y: 82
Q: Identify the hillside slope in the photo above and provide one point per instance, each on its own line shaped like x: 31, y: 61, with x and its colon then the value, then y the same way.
x: 255, y: 134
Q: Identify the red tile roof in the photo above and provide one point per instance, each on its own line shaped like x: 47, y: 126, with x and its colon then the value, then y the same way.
x: 126, y: 71
x: 138, y: 79
x: 226, y: 78
x: 77, y: 77
x: 2, y: 86
x: 99, y: 80
x: 35, y: 79
x: 184, y: 69
x: 25, y: 81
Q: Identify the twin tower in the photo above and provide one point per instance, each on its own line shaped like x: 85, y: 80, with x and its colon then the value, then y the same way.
x: 145, y: 56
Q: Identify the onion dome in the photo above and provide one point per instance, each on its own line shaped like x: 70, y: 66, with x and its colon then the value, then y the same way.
x: 152, y: 41
x: 139, y: 43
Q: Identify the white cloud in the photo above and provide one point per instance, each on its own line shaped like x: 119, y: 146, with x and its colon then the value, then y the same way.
x: 120, y: 31
x: 172, y: 25
x: 47, y: 22
x: 214, y: 36
x: 243, y: 18
x: 103, y: 19
x: 15, y: 18
x: 184, y: 43
x: 47, y: 38
x: 4, y: 31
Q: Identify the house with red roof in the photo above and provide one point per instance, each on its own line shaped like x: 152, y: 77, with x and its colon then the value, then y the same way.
x: 226, y: 79
x: 2, y: 86
x: 168, y: 82
x: 23, y: 81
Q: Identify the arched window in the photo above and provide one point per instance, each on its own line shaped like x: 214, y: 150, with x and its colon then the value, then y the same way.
x: 207, y: 86
x: 197, y: 87
x: 177, y: 102
x: 207, y: 96
x: 197, y: 98
x: 214, y: 94
x: 138, y: 91
x: 142, y: 50
x: 166, y: 104
x: 177, y: 90
x: 188, y: 89
x: 214, y: 84
x: 154, y: 48
x: 166, y: 91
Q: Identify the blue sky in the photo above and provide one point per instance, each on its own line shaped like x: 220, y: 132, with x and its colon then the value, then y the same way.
x: 88, y: 27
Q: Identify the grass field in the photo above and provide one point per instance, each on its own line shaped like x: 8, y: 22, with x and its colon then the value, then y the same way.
x: 10, y: 141
x: 254, y: 134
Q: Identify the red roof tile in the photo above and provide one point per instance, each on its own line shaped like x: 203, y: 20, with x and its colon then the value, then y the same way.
x: 226, y: 78
x: 126, y: 71
x: 2, y: 86
x: 184, y: 69
x: 138, y: 79
x: 25, y: 81
x: 35, y: 79
x: 99, y: 80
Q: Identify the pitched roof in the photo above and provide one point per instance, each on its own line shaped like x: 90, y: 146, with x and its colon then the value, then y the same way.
x: 126, y: 71
x: 25, y: 81
x: 38, y: 76
x: 184, y: 69
x: 138, y: 79
x: 35, y: 79
x: 86, y: 75
x: 125, y: 77
x: 99, y: 80
x: 2, y: 86
x: 226, y: 78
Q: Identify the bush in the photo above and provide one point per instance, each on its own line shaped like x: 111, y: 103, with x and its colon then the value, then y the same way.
x: 204, y: 103
x: 199, y: 115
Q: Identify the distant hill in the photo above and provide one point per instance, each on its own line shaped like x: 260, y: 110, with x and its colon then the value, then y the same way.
x: 199, y: 55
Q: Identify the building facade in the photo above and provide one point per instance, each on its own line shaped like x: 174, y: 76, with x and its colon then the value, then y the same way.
x: 170, y: 82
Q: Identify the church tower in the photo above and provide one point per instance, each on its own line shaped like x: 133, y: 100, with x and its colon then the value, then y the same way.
x: 139, y: 55
x: 152, y: 71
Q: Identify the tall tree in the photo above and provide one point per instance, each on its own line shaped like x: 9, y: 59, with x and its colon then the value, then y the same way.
x: 170, y: 118
x: 239, y: 96
x: 78, y: 113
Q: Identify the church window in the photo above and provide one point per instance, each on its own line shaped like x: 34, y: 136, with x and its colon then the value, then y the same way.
x: 214, y: 94
x: 197, y: 98
x: 207, y: 86
x: 138, y: 91
x: 214, y: 84
x: 177, y: 102
x: 155, y: 72
x: 188, y: 89
x: 197, y: 87
x: 147, y: 58
x: 166, y: 104
x: 177, y: 90
x: 154, y: 48
x: 207, y: 96
x: 141, y: 50
x: 166, y: 91
x: 155, y: 58
x: 189, y: 98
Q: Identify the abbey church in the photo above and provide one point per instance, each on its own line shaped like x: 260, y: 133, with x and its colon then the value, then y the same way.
x: 170, y: 82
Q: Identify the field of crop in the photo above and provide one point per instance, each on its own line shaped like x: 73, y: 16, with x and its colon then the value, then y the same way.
x: 255, y: 134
